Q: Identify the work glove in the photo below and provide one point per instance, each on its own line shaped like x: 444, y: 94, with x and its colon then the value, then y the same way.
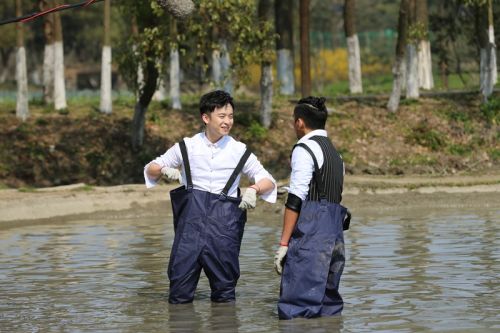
x: 249, y: 199
x: 279, y: 257
x: 171, y: 173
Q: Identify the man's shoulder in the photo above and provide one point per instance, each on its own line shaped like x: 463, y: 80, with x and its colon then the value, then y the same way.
x: 235, y: 144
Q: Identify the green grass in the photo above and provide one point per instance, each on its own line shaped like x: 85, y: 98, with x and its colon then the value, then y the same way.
x: 84, y: 188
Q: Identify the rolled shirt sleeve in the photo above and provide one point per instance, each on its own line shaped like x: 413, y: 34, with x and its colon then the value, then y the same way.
x: 253, y: 169
x: 172, y: 159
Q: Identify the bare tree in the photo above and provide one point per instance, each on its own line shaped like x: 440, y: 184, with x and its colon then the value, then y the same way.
x: 305, y: 61
x: 284, y: 28
x: 426, y: 81
x: 22, y: 111
x: 355, y: 82
x: 399, y: 62
x: 266, y: 77
x: 106, y: 105
x: 412, y: 82
x: 59, y: 83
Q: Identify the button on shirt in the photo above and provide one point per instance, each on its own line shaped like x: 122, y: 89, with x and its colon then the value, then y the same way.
x: 212, y: 165
x: 303, y: 164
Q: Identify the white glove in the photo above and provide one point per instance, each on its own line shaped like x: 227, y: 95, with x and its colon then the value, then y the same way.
x: 249, y: 199
x: 171, y: 173
x: 278, y: 258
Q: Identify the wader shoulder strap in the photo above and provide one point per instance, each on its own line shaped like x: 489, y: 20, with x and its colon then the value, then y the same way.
x: 236, y: 172
x: 185, y: 160
x: 317, y: 174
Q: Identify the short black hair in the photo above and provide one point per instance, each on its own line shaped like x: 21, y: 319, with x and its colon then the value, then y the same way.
x: 215, y: 99
x: 312, y: 110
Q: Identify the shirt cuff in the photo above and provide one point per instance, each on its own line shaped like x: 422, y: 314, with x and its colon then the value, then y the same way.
x: 270, y: 196
x: 149, y: 182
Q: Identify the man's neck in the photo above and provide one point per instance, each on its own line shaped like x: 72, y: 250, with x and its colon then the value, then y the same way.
x: 213, y: 139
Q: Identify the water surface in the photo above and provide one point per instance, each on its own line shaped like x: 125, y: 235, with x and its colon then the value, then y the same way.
x: 425, y: 271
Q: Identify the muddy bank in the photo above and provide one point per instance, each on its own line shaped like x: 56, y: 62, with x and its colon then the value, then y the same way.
x: 361, y: 193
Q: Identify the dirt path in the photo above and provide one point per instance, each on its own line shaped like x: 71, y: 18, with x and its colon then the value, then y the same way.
x: 361, y: 192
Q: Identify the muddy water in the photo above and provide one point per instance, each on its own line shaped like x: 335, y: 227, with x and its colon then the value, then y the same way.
x: 425, y: 271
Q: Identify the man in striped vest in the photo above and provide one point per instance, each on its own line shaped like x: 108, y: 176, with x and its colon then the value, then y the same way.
x: 311, y: 253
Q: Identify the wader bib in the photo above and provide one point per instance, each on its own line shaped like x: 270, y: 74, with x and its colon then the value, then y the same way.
x: 315, y: 259
x: 208, y: 231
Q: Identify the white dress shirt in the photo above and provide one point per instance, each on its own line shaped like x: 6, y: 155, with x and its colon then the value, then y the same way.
x: 303, y: 164
x: 212, y: 165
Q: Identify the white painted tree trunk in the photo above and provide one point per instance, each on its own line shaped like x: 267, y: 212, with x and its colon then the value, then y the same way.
x: 59, y: 84
x: 493, y: 59
x: 221, y: 65
x: 355, y: 82
x: 398, y: 73
x: 488, y: 66
x: 175, y: 80
x: 161, y: 91
x: 285, y: 69
x: 106, y: 81
x: 426, y: 81
x: 487, y: 75
x: 225, y: 64
x: 48, y: 73
x: 216, y: 69
x: 266, y: 91
x: 412, y: 72
x: 22, y: 111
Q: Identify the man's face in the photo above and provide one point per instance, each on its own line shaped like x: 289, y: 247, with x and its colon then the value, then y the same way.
x: 219, y: 122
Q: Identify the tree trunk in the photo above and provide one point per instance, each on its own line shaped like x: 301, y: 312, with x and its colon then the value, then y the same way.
x: 355, y: 82
x: 412, y: 66
x: 266, y: 77
x: 59, y: 84
x: 305, y: 61
x: 161, y: 89
x: 175, y: 79
x: 48, y: 54
x: 426, y: 81
x: 397, y: 70
x: 284, y: 45
x: 221, y: 65
x: 486, y: 34
x: 22, y: 111
x: 145, y: 96
x: 412, y: 82
x: 106, y: 72
x: 175, y: 72
x: 140, y: 74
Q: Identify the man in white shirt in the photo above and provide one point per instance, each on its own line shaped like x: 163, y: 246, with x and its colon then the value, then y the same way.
x: 311, y: 253
x: 209, y: 214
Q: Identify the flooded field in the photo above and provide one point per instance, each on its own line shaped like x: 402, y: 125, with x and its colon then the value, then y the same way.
x: 406, y: 272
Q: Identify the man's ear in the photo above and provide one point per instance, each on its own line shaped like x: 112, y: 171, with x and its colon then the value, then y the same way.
x: 205, y: 118
x: 300, y: 123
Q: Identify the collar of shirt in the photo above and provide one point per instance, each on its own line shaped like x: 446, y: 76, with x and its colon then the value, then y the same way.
x: 319, y: 132
x: 219, y: 144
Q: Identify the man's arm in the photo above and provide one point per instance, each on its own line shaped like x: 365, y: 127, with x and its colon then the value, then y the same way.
x: 289, y: 221
x: 263, y: 186
x: 153, y: 171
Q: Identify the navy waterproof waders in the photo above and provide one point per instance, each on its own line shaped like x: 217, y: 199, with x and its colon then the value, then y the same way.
x: 315, y: 260
x: 208, y: 231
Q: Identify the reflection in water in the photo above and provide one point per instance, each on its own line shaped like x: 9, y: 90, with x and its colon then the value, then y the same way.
x: 428, y: 271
